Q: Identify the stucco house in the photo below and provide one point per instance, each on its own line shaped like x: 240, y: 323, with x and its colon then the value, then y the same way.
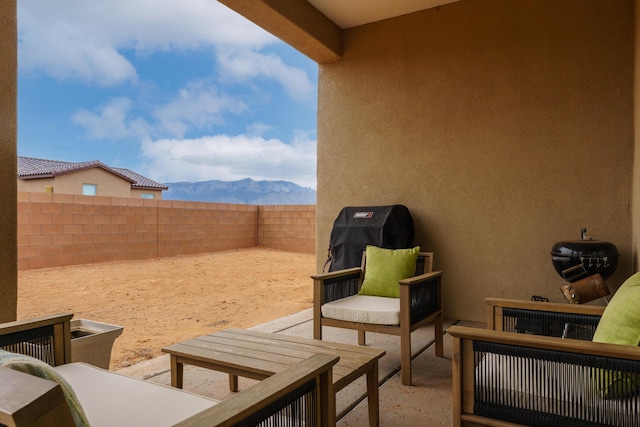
x: 504, y: 126
x: 92, y: 178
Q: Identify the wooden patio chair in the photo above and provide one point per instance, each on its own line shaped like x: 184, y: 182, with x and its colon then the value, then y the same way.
x: 548, y: 364
x: 338, y: 302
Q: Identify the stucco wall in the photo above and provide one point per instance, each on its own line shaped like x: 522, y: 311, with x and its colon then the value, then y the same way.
x: 636, y: 163
x: 107, y: 184
x: 38, y: 185
x: 8, y: 159
x: 504, y: 126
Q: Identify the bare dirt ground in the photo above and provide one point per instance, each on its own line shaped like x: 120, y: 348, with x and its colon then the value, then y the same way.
x: 164, y: 301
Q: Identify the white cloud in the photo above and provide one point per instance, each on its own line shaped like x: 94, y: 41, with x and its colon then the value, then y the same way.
x: 230, y: 158
x: 96, y: 43
x: 243, y: 64
x: 196, y: 106
x: 81, y: 39
x: 257, y: 129
x: 110, y: 122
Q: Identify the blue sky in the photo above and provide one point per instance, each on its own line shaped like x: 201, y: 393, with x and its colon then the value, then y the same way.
x: 173, y: 90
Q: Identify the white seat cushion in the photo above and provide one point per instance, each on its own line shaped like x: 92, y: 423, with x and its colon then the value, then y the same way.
x: 364, y: 309
x: 111, y: 399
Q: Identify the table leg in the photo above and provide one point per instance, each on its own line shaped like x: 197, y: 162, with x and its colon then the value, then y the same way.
x: 373, y: 399
x: 176, y: 372
x: 233, y: 382
x: 331, y: 404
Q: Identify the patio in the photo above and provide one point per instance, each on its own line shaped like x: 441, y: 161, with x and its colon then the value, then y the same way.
x: 399, y: 405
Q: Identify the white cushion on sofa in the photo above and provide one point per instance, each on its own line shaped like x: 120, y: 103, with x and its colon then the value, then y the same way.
x: 111, y: 399
x: 364, y: 309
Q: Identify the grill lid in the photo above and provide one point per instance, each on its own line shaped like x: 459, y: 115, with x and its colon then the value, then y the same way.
x: 574, y: 259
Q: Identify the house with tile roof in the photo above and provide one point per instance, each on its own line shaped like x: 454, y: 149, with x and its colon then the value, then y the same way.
x: 92, y: 178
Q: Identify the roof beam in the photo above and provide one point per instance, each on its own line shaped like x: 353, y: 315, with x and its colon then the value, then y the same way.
x: 297, y: 23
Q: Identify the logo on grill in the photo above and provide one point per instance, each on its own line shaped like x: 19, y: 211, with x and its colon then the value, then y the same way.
x: 363, y: 214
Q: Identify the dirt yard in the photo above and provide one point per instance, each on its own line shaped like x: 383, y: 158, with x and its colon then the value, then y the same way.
x: 163, y: 301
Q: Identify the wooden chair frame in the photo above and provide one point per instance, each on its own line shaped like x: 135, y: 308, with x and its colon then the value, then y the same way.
x: 415, y: 310
x: 499, y: 332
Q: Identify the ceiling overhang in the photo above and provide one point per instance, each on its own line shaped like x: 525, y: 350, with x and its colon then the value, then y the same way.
x: 314, y: 27
x: 353, y: 13
x: 297, y: 23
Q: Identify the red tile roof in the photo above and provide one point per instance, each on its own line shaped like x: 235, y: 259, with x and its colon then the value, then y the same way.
x: 31, y: 168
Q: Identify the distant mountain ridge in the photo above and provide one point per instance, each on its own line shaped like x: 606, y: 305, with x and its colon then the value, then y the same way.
x: 244, y: 191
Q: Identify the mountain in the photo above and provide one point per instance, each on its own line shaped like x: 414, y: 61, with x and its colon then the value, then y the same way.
x: 243, y: 191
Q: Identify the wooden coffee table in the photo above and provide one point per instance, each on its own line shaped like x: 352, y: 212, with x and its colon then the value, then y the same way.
x: 258, y: 355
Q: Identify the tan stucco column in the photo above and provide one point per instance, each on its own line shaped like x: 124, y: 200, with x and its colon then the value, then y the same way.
x: 635, y: 197
x: 8, y: 159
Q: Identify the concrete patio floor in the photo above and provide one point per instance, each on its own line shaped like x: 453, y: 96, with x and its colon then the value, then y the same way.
x: 427, y: 403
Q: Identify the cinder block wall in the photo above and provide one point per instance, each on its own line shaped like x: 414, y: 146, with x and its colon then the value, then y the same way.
x: 290, y: 228
x: 61, y: 229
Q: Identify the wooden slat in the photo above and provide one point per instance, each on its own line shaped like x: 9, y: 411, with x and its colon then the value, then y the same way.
x: 456, y: 380
x: 265, y: 350
x: 592, y: 310
x: 335, y: 274
x: 297, y: 342
x: 416, y: 280
x: 548, y: 343
x: 245, y: 349
x: 474, y: 420
x: 467, y: 377
x: 284, y: 352
x: 211, y: 358
x: 38, y: 322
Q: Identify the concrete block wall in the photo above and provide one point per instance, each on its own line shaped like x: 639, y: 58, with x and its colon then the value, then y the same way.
x: 290, y: 228
x: 62, y: 229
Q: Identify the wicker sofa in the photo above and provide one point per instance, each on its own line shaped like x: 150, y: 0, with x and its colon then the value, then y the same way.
x: 45, y: 389
x: 536, y: 364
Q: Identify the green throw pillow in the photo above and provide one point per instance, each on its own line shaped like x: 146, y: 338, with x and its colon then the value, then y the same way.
x: 385, y: 268
x: 620, y: 324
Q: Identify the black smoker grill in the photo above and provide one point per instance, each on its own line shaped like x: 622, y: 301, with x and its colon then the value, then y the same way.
x: 356, y: 227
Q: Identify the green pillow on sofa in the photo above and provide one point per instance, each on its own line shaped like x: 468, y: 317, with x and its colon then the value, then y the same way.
x: 385, y: 268
x: 620, y: 324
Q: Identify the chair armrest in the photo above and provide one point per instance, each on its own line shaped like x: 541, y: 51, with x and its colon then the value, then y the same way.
x: 36, y: 322
x: 47, y: 338
x: 567, y: 345
x: 26, y: 400
x: 277, y: 388
x: 420, y: 279
x: 494, y: 304
x: 336, y: 285
x: 543, y: 318
x: 421, y: 296
x: 337, y: 274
